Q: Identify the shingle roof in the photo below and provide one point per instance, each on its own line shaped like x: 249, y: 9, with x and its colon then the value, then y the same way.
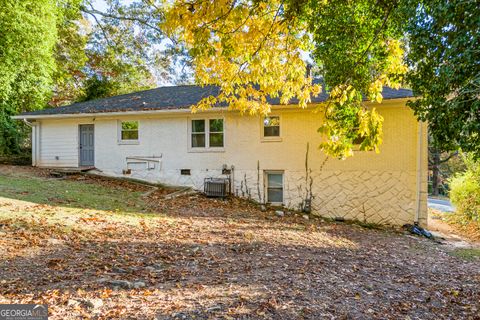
x: 166, y: 98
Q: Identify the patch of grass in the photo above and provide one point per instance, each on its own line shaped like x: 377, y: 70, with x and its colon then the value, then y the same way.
x: 72, y: 194
x: 467, y: 254
x: 73, y: 204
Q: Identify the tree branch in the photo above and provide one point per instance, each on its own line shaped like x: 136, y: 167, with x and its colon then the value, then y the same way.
x: 107, y: 38
x: 449, y: 157
x: 94, y: 12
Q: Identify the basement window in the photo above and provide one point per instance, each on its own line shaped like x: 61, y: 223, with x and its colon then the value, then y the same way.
x: 274, y: 186
x: 185, y: 172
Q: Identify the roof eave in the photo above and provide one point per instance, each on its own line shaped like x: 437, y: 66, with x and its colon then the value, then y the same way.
x: 163, y: 112
x: 102, y: 114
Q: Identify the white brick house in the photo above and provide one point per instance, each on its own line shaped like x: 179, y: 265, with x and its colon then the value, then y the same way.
x: 152, y: 135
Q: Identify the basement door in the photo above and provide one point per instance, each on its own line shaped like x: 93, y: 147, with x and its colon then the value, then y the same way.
x: 86, y: 145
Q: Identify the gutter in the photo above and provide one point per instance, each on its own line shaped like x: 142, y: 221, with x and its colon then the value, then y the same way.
x: 35, y: 140
x: 30, y: 124
x: 419, y: 172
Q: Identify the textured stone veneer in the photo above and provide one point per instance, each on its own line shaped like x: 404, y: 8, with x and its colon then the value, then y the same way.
x: 371, y: 196
x: 368, y: 196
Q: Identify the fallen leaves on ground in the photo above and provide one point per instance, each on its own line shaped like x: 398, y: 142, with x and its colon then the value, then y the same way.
x: 198, y: 258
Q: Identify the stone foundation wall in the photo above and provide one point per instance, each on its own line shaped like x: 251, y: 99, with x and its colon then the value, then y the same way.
x: 381, y: 197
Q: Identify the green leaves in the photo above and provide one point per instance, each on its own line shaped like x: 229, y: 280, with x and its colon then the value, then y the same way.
x: 465, y: 191
x: 358, y: 50
x: 28, y: 36
x: 444, y: 37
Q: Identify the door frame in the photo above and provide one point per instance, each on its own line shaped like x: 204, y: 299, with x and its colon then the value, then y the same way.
x: 80, y: 141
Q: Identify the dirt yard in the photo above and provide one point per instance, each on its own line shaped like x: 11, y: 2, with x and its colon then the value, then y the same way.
x: 96, y: 248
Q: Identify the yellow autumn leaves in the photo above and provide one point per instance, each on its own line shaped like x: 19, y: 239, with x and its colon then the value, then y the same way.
x: 253, y: 51
x: 249, y: 50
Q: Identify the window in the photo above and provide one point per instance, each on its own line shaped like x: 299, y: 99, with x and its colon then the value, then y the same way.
x: 274, y: 187
x: 271, y: 126
x: 358, y: 140
x: 129, y: 131
x: 207, y: 133
x: 198, y: 133
x: 216, y: 133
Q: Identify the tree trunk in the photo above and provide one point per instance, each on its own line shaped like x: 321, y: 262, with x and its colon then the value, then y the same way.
x: 435, y: 173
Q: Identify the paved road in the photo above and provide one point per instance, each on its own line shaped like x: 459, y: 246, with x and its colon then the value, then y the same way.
x: 442, y: 205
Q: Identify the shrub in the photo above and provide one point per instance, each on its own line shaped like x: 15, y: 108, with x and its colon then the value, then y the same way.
x: 465, y: 191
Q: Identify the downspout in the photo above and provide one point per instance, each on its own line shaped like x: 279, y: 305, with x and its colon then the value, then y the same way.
x: 35, y: 140
x: 419, y: 171
x: 30, y: 124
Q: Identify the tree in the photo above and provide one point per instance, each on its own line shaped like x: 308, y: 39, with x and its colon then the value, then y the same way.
x: 254, y: 51
x: 70, y: 56
x: 357, y: 45
x: 436, y: 159
x: 113, y: 55
x: 26, y: 64
x: 444, y: 58
x: 250, y: 51
x: 49, y: 52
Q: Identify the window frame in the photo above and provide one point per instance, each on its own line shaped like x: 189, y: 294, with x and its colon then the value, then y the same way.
x: 262, y: 129
x: 204, y: 133
x: 266, y: 174
x: 356, y: 144
x: 215, y: 132
x: 120, y: 130
x: 207, y: 147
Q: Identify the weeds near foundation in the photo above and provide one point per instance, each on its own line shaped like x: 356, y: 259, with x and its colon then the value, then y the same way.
x: 258, y: 182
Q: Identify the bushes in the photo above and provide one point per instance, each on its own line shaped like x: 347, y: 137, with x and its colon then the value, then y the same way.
x: 465, y: 192
x: 21, y: 159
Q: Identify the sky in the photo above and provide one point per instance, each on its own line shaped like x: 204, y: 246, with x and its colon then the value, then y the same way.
x: 100, y: 5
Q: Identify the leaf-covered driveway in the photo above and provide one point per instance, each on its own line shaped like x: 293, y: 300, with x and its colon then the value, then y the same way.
x: 197, y: 258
